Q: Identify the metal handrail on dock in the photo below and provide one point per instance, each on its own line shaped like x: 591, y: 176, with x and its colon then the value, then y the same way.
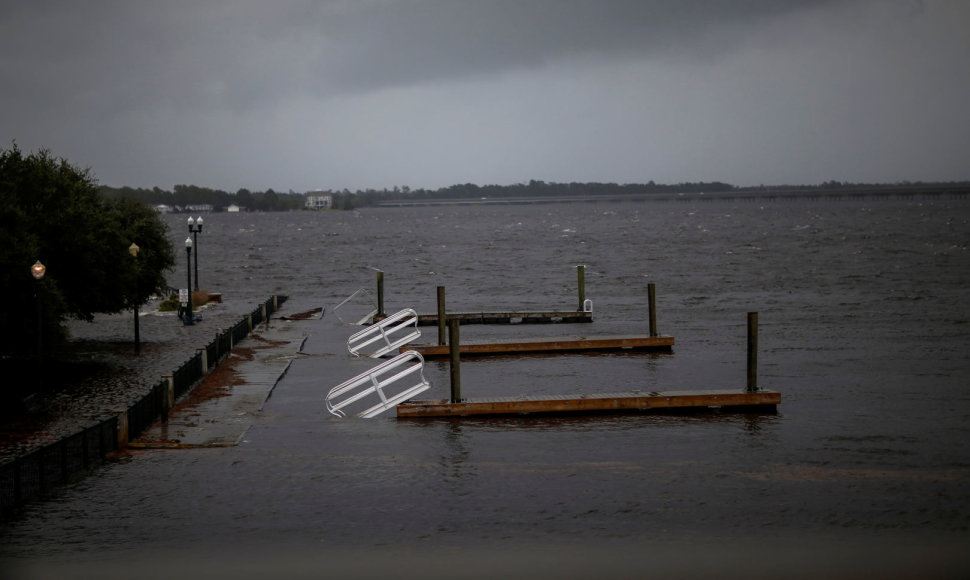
x: 383, y: 330
x: 375, y: 381
x: 366, y: 317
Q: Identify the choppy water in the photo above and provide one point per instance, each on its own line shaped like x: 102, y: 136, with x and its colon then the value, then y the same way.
x: 864, y: 328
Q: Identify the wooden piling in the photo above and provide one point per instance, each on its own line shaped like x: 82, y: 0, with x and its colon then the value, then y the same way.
x: 441, y: 315
x: 455, y: 350
x: 380, y: 294
x: 752, y: 351
x: 581, y: 275
x: 652, y: 299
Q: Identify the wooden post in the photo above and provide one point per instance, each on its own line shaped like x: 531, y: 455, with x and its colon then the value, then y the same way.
x: 441, y: 315
x: 380, y: 294
x: 168, y: 399
x: 581, y: 274
x: 204, y: 358
x: 752, y: 351
x: 455, y: 351
x: 652, y: 299
x: 122, y: 429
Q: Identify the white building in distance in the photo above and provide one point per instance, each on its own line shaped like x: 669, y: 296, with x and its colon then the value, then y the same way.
x: 318, y: 200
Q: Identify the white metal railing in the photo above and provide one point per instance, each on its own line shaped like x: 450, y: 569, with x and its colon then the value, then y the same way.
x: 358, y: 292
x: 377, y: 381
x: 382, y: 332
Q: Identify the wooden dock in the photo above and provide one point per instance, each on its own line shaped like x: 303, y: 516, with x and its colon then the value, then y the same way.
x: 545, y: 345
x: 543, y: 317
x: 735, y: 400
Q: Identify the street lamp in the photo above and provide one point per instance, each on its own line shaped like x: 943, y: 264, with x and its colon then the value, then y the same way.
x: 37, y: 271
x: 133, y: 250
x: 188, y: 267
x: 195, y: 228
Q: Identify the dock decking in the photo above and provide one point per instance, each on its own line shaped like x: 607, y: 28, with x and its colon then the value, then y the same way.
x: 541, y: 317
x: 739, y: 399
x: 543, y: 345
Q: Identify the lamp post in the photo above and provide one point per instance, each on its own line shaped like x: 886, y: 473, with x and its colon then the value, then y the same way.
x: 37, y: 271
x: 188, y: 321
x: 195, y: 228
x: 133, y: 250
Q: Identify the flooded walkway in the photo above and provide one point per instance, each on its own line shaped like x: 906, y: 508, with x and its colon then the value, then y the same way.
x: 219, y: 410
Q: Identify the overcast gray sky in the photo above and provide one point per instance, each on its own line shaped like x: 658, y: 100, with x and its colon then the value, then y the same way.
x: 428, y: 93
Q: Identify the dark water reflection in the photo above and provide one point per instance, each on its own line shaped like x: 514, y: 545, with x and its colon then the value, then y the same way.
x: 864, y: 329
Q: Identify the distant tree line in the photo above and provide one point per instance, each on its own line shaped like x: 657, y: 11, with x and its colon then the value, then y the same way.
x: 269, y: 200
x: 188, y: 195
x: 533, y: 188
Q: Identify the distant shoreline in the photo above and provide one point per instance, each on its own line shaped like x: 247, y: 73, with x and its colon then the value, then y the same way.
x: 961, y: 192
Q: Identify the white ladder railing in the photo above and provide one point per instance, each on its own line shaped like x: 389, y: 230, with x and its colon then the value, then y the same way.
x: 382, y: 331
x: 375, y: 381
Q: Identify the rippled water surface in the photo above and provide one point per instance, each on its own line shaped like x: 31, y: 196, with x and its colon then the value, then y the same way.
x: 864, y: 328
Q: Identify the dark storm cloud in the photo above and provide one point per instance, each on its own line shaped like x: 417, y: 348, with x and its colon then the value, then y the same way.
x: 358, y: 93
x: 408, y: 42
x: 121, y: 55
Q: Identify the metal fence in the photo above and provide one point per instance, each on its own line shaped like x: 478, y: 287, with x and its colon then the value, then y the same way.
x: 33, y: 475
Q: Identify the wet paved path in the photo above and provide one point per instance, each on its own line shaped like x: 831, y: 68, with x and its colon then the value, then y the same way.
x: 221, y: 408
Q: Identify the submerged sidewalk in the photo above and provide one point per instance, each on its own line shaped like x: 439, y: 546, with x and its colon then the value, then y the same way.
x: 219, y: 410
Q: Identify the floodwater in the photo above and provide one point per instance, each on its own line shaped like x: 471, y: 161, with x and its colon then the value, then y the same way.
x: 864, y: 329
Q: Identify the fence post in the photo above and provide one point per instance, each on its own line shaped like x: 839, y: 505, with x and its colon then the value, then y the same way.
x: 64, y: 461
x: 18, y: 491
x: 122, y: 429
x: 168, y: 396
x: 204, y: 359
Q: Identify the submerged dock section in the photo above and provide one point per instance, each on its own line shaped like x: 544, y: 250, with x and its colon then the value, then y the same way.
x: 583, y: 313
x: 736, y: 400
x: 749, y: 399
x: 547, y: 345
x: 538, y: 317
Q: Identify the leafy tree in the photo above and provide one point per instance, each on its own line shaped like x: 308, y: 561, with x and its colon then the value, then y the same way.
x: 244, y: 198
x: 142, y: 226
x: 53, y: 212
